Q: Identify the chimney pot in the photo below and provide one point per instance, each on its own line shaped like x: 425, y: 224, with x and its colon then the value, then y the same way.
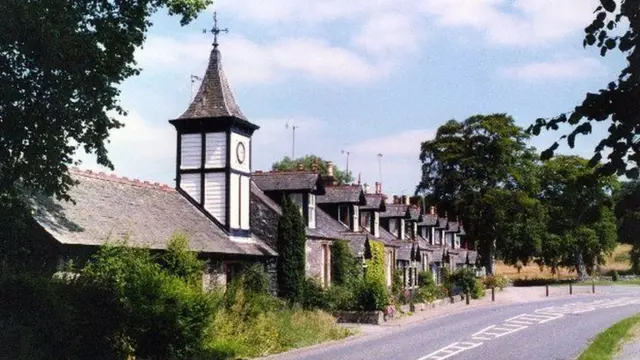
x: 432, y: 210
x: 300, y: 166
x: 366, y: 188
x: 329, y: 168
x: 405, y: 199
x: 395, y: 199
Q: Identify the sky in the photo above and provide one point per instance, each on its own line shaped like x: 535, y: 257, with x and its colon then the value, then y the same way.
x: 363, y: 77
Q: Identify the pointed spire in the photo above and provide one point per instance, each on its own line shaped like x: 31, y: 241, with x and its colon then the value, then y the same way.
x: 214, y: 98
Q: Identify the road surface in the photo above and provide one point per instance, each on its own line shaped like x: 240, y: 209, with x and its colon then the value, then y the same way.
x: 553, y: 329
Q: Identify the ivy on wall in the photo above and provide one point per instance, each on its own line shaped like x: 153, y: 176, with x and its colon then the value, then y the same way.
x: 375, y: 265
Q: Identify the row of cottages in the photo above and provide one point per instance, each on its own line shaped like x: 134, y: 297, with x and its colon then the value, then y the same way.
x: 230, y: 214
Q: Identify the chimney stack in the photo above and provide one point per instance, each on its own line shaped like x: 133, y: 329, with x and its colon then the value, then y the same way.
x: 378, y: 188
x: 395, y: 199
x: 300, y: 167
x: 405, y: 199
x: 432, y: 210
x: 366, y: 188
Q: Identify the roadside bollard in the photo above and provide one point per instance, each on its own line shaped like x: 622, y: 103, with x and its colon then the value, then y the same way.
x: 570, y: 288
x: 547, y: 287
x: 493, y: 294
x: 593, y: 287
x: 467, y: 297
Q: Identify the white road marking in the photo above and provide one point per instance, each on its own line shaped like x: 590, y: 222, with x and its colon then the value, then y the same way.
x: 523, y: 321
x: 450, y: 350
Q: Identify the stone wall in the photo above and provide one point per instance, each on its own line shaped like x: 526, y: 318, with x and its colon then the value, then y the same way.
x: 314, y: 258
x: 264, y: 222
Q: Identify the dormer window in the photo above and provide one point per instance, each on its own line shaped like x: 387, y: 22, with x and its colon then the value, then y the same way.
x: 312, y: 211
x: 297, y: 199
x: 393, y: 227
x: 366, y: 220
x: 456, y: 244
x: 344, y: 215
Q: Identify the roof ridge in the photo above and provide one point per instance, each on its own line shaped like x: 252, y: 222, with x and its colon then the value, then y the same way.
x: 120, y: 179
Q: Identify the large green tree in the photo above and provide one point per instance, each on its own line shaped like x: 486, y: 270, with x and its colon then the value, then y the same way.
x: 291, y: 248
x: 619, y: 102
x: 60, y: 66
x: 482, y: 169
x: 581, y: 225
x: 307, y: 162
x: 627, y: 210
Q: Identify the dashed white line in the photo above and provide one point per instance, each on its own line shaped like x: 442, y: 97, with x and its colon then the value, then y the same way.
x: 523, y: 321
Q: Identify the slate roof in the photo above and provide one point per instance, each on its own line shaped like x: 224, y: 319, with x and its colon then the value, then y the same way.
x: 395, y: 210
x: 108, y: 208
x: 351, y: 194
x: 326, y: 227
x: 428, y: 220
x: 404, y: 252
x: 374, y: 202
x: 214, y: 98
x: 442, y: 223
x: 287, y: 180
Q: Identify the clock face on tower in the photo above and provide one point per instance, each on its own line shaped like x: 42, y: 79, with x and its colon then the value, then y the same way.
x: 240, y: 153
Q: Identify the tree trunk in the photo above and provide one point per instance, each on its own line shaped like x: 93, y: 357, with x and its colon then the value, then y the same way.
x: 581, y: 269
x: 488, y: 259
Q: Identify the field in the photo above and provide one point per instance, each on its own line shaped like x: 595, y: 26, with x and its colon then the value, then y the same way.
x: 619, y: 261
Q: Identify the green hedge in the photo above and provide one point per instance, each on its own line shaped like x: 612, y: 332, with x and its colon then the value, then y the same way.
x: 291, y: 248
x: 344, y: 266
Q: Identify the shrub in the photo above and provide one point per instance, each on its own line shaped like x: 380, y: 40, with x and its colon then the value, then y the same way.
x: 313, y: 295
x: 425, y: 279
x: 478, y: 290
x: 615, y: 276
x: 397, y: 286
x: 340, y: 297
x: 181, y: 262
x: 370, y: 295
x: 291, y: 248
x: 256, y: 279
x: 344, y: 266
x: 495, y: 281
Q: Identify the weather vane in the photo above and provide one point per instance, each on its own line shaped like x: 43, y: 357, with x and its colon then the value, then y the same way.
x: 216, y: 30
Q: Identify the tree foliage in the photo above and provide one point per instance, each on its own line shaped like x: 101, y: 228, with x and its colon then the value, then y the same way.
x: 581, y: 224
x: 60, y: 66
x: 307, y: 162
x: 618, y: 102
x: 482, y: 169
x: 627, y: 211
x: 291, y: 248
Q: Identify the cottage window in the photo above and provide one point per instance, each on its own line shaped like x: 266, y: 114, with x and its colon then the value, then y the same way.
x: 344, y: 215
x: 457, y: 243
x: 297, y: 199
x: 365, y: 220
x: 401, y: 229
x: 393, y: 228
x: 312, y: 211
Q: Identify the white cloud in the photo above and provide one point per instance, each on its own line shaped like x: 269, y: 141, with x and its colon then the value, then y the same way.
x: 514, y: 22
x: 247, y: 62
x: 401, y: 144
x: 557, y: 69
x: 140, y: 149
x: 389, y: 33
x: 310, y: 11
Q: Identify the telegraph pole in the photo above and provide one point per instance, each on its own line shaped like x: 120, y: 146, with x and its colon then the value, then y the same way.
x: 293, y: 145
x: 348, y: 153
x: 380, y: 168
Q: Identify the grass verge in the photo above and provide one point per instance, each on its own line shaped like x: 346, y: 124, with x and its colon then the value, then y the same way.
x: 608, y: 342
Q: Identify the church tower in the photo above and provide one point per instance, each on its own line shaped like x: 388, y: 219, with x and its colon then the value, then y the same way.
x: 213, y: 166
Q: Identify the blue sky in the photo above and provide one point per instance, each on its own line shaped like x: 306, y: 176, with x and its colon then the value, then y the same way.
x: 365, y: 76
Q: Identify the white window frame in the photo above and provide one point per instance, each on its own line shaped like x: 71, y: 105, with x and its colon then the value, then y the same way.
x: 312, y: 211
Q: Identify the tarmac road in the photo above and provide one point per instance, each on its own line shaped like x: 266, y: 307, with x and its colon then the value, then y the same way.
x: 553, y: 329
